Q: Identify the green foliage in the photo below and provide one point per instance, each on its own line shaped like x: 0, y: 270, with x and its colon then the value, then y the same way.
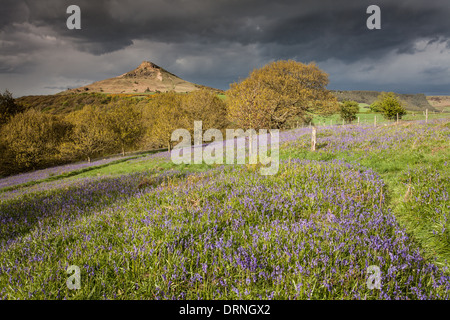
x: 8, y: 107
x: 390, y: 106
x: 412, y: 102
x: 349, y: 110
x: 375, y: 107
x: 66, y: 103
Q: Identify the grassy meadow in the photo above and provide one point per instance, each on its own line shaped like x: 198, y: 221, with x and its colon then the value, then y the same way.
x: 366, y: 116
x: 145, y: 228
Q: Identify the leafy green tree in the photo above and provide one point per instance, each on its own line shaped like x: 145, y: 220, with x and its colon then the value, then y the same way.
x: 279, y: 91
x: 349, y: 110
x: 125, y: 122
x: 90, y: 134
x: 390, y: 106
x: 8, y: 107
x: 375, y: 107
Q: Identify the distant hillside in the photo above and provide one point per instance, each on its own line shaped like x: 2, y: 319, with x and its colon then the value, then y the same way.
x: 60, y: 104
x: 412, y: 102
x: 65, y: 103
x: 148, y: 77
x: 442, y: 103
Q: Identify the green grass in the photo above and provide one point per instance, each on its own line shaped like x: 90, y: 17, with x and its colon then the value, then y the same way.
x: 363, y: 107
x: 396, y: 167
x: 97, y: 170
x: 52, y: 177
x: 364, y: 118
x: 131, y: 246
x: 369, y: 117
x: 128, y: 167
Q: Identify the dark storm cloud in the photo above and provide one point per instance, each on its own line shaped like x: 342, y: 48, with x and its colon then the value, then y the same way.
x: 217, y: 41
x: 12, y: 12
x: 324, y: 28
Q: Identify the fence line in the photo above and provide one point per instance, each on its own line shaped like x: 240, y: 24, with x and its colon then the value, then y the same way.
x: 373, y: 121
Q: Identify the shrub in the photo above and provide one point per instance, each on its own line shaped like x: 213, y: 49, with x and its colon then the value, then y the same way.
x: 390, y: 106
x: 349, y: 110
x: 375, y: 107
x: 8, y: 107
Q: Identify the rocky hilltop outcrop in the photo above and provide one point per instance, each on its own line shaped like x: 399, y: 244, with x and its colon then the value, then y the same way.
x: 147, y: 77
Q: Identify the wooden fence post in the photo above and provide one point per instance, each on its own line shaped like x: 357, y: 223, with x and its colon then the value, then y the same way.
x: 313, y: 138
x: 375, y: 121
x: 358, y: 121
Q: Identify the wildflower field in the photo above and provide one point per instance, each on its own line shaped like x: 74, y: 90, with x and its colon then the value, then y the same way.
x: 145, y: 228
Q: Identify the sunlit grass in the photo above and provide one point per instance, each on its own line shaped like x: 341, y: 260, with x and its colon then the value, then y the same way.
x: 146, y: 228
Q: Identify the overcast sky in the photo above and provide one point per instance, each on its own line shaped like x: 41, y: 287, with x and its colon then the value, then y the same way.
x: 217, y: 42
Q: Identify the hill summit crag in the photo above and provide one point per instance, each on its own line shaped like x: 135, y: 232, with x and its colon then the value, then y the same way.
x: 147, y: 77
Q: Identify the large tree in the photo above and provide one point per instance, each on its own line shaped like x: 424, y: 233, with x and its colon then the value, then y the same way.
x: 204, y: 105
x: 279, y: 91
x: 125, y: 122
x: 31, y: 139
x: 167, y: 115
x: 90, y: 134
